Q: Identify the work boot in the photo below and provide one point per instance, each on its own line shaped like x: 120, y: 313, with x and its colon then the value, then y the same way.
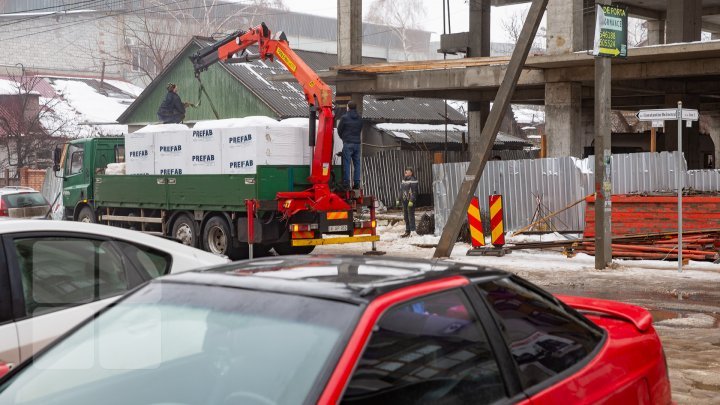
x: 356, y: 186
x: 405, y: 235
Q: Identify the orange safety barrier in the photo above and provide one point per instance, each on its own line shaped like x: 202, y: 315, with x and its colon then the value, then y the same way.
x: 477, y: 238
x: 497, y: 230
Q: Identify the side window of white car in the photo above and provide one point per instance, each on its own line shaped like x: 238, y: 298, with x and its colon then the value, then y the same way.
x: 61, y: 272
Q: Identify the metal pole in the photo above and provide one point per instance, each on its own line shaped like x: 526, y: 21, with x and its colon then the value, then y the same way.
x: 457, y: 215
x: 603, y: 159
x: 679, y: 181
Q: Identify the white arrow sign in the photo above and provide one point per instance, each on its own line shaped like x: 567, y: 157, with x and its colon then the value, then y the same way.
x: 667, y: 114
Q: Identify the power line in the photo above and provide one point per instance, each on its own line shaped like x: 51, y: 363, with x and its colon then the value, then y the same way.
x: 35, y: 17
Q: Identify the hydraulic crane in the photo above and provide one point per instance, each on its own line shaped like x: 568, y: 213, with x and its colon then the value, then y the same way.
x: 318, y: 95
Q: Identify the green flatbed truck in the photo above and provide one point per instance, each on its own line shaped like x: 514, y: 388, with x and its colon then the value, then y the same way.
x: 206, y: 211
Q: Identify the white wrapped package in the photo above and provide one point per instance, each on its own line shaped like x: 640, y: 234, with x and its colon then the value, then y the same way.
x: 139, y: 153
x: 171, y: 152
x: 239, y: 149
x: 115, y: 169
x: 162, y: 128
x: 307, y: 150
x: 204, y: 155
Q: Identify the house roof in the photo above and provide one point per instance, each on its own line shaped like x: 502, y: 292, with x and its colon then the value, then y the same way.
x: 286, y: 99
x: 418, y: 133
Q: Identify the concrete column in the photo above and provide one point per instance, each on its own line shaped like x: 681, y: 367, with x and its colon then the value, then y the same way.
x: 655, y: 32
x: 349, y: 32
x: 478, y: 45
x: 563, y: 127
x: 564, y: 26
x: 684, y: 21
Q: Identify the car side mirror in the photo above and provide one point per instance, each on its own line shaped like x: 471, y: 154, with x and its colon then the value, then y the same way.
x: 57, y: 155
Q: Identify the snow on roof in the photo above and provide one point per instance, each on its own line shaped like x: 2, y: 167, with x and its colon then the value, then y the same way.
x: 128, y: 88
x: 87, y: 112
x: 11, y: 88
x: 528, y: 114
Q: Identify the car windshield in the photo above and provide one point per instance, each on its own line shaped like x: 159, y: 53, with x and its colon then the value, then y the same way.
x: 191, y: 344
x: 21, y: 200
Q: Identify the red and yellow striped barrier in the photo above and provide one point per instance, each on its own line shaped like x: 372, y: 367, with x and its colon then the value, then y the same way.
x: 497, y: 230
x: 475, y: 224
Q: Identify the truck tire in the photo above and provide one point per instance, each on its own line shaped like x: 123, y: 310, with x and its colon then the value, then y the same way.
x: 185, y: 230
x: 284, y: 249
x: 87, y: 215
x: 218, y: 239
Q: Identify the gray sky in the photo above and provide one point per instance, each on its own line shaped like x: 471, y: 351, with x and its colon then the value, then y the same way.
x: 433, y: 22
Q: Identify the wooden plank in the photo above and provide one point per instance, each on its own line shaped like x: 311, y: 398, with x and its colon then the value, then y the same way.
x: 422, y: 65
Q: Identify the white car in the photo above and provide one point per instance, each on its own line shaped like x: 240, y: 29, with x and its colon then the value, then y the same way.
x: 54, y: 274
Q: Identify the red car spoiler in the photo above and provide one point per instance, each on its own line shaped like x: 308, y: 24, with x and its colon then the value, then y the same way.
x: 638, y: 316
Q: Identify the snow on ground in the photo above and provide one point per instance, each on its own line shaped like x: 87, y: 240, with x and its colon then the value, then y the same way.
x: 529, y: 261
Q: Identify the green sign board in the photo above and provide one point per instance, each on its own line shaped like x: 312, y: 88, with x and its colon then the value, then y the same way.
x: 611, y: 28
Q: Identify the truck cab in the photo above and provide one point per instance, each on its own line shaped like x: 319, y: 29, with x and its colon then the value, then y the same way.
x: 79, y: 161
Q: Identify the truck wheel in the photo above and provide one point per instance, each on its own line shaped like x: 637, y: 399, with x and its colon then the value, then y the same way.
x: 217, y: 239
x: 184, y: 229
x: 87, y: 215
x: 284, y: 248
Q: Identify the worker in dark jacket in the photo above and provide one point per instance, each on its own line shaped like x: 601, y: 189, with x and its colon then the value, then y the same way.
x: 172, y: 109
x: 408, y: 197
x: 349, y: 129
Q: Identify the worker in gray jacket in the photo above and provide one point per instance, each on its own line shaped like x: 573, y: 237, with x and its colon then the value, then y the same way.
x: 408, y: 197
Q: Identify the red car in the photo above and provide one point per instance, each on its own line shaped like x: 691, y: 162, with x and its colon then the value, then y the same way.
x: 349, y: 330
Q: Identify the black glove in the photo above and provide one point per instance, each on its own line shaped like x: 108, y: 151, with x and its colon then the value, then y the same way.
x: 339, y: 154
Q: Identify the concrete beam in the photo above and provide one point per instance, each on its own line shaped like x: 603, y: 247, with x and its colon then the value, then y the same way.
x: 643, y: 12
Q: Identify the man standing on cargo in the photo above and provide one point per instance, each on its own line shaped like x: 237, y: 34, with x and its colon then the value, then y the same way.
x: 408, y: 197
x: 172, y: 109
x: 349, y: 129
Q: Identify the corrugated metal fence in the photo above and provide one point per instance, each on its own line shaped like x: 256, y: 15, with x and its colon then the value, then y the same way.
x: 548, y: 185
x: 383, y: 172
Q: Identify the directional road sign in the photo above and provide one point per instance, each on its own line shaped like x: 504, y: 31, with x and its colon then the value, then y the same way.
x: 666, y: 114
x: 611, y: 27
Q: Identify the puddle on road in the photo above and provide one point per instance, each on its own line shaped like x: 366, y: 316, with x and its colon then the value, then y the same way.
x: 665, y: 307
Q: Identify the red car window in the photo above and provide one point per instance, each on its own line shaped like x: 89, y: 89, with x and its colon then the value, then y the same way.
x: 544, y: 338
x: 431, y: 350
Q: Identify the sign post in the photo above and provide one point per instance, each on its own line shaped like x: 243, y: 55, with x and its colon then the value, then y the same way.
x: 610, y: 42
x: 680, y: 114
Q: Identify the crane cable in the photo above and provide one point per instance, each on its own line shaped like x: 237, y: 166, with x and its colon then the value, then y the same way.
x: 202, y: 90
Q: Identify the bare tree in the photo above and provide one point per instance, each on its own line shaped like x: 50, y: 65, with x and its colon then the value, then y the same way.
x: 156, y: 30
x: 512, y: 26
x: 401, y: 16
x: 637, y: 32
x: 28, y: 123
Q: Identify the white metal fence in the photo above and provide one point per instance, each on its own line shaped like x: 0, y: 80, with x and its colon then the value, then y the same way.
x: 534, y: 187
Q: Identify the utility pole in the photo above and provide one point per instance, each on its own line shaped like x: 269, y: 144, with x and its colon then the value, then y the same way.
x: 610, y: 41
x: 490, y: 130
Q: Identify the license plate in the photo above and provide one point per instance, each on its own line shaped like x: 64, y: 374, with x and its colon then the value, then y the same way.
x: 337, y: 228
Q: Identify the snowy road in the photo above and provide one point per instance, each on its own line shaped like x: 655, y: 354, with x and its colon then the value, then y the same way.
x: 685, y: 306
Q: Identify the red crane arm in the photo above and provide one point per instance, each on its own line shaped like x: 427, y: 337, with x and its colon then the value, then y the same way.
x: 317, y: 93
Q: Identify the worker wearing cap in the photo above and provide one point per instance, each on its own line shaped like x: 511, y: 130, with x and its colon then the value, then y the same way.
x: 172, y: 109
x: 408, y: 197
x: 350, y: 129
